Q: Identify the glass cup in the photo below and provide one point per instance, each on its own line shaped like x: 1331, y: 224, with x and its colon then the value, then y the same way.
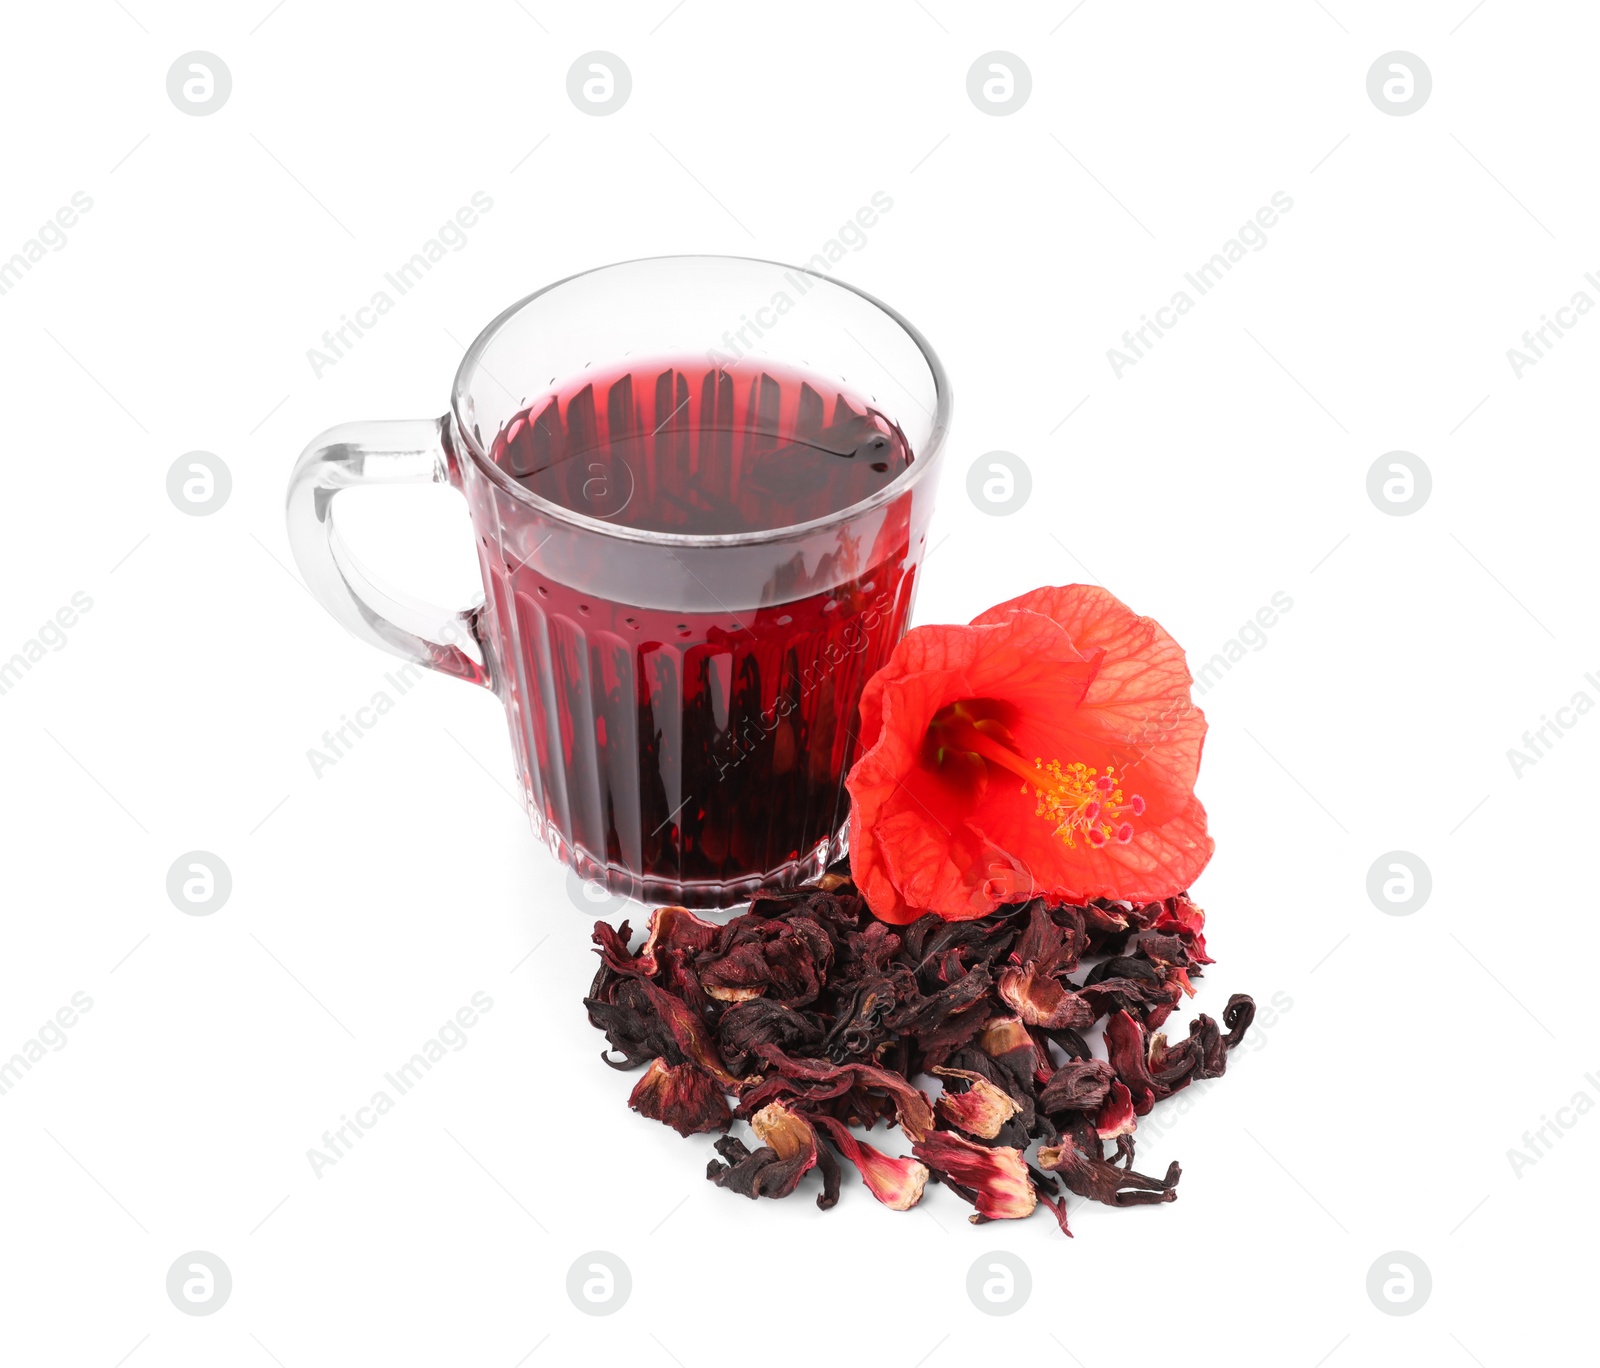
x: 680, y: 609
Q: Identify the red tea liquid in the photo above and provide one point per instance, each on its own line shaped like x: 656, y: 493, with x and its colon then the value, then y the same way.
x: 692, y: 756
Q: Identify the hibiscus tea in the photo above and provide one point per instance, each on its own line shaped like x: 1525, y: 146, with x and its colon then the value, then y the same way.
x: 683, y: 729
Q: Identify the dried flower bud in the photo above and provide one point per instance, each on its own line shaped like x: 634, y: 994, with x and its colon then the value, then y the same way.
x: 682, y: 1096
x: 1077, y: 1086
x: 981, y: 1110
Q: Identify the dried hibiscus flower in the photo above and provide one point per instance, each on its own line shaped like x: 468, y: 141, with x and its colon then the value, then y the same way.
x: 897, y: 1182
x: 995, y: 1180
x: 789, y: 1151
x: 980, y: 1110
x: 812, y: 1019
x: 684, y: 1096
x: 1049, y: 747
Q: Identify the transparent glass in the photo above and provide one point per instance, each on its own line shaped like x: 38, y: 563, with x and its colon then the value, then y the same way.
x: 677, y: 617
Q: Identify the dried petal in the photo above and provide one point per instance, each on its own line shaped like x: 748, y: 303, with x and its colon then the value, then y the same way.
x: 1080, y: 1085
x: 752, y: 1173
x: 682, y: 1096
x: 746, y: 1025
x: 1041, y: 1000
x: 1092, y: 1177
x: 631, y: 1025
x: 612, y: 947
x: 674, y: 928
x: 926, y: 1014
x: 997, y: 1177
x: 787, y: 959
x: 1009, y: 1044
x: 1237, y: 1016
x: 732, y: 994
x: 896, y: 1181
x: 1044, y: 943
x: 1182, y: 916
x: 789, y: 1133
x: 1116, y: 1116
x: 787, y: 1154
x: 981, y: 1110
x: 689, y: 1032
x: 912, y: 1107
x: 1057, y: 1207
x: 1125, y: 1043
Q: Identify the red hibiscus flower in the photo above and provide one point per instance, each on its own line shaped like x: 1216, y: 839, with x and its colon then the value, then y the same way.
x: 1050, y: 747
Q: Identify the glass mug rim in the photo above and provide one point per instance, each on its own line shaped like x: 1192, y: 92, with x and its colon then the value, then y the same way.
x: 924, y: 459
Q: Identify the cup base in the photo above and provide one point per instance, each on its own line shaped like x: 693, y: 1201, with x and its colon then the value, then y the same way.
x: 701, y: 894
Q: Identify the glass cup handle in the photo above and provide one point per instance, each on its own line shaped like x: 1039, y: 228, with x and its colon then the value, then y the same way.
x: 407, y: 451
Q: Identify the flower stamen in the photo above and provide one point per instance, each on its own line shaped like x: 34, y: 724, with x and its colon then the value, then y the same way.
x: 1083, y: 803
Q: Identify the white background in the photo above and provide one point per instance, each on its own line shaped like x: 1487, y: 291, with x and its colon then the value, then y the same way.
x: 1227, y: 465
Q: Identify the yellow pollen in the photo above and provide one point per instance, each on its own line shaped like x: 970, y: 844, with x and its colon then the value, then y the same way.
x: 1083, y: 803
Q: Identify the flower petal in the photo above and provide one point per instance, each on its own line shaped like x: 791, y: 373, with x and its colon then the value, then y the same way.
x: 895, y: 1181
x: 1074, y: 675
x: 981, y: 1110
x: 998, y: 1178
x: 682, y: 1096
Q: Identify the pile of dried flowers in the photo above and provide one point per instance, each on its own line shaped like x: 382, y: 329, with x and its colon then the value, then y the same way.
x: 1024, y: 803
x: 815, y: 1017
